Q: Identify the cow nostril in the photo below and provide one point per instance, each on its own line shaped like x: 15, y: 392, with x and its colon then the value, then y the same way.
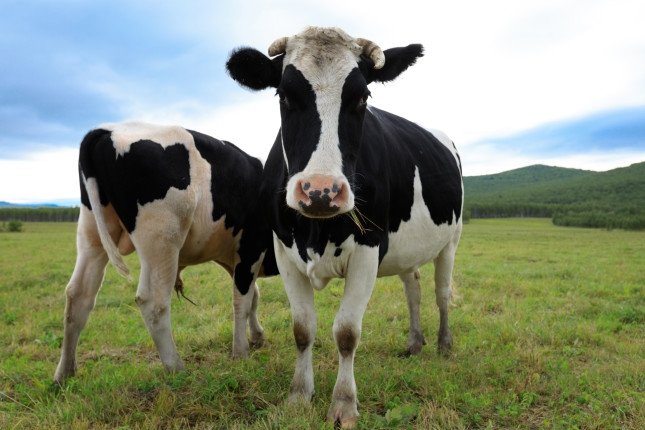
x: 306, y: 186
x: 340, y: 194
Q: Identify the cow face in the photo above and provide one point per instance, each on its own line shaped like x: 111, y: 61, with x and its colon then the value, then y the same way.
x: 321, y: 77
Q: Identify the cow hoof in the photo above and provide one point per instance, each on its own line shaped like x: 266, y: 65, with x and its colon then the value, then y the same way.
x: 64, y: 372
x: 55, y: 387
x: 343, y: 414
x: 257, y: 341
x: 177, y: 366
x: 240, y: 353
x: 444, y: 346
x: 415, y: 348
x: 299, y: 397
x: 415, y: 344
x: 346, y: 424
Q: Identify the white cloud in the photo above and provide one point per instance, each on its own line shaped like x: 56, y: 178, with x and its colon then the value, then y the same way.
x: 42, y: 177
x: 251, y: 122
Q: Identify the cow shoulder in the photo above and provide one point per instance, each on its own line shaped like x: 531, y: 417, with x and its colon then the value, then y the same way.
x: 410, y: 146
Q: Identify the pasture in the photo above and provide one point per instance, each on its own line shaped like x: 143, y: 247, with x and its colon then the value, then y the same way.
x: 548, y: 325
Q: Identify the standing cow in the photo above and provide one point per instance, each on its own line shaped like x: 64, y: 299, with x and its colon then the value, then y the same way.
x: 178, y: 198
x: 353, y: 192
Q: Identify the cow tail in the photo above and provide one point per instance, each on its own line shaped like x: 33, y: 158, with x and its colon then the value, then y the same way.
x: 89, y: 177
x: 110, y: 247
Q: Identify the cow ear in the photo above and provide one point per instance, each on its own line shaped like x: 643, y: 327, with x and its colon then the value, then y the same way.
x: 253, y: 69
x: 397, y: 60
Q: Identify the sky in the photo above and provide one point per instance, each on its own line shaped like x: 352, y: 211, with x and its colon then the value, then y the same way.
x: 513, y: 83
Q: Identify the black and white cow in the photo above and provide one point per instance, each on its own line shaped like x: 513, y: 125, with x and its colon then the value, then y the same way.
x: 177, y: 197
x: 338, y: 163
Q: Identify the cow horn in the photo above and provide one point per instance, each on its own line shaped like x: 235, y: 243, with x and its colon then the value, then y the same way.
x: 278, y: 47
x: 372, y: 51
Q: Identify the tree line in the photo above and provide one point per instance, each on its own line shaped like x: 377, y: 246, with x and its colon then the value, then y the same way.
x: 580, y: 215
x: 596, y: 216
x: 58, y: 214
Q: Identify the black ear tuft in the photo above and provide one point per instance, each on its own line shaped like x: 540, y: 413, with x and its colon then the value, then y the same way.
x: 397, y: 60
x: 253, y: 69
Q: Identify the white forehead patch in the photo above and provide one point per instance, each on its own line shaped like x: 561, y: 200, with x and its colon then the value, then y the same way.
x: 318, y: 50
x: 325, y: 57
x: 125, y: 134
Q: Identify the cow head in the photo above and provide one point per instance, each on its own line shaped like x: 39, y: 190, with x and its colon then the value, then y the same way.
x: 321, y: 76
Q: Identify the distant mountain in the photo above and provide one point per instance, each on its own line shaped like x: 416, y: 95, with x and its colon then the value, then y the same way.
x: 615, y: 198
x: 55, y: 204
x: 27, y: 205
x: 520, y: 178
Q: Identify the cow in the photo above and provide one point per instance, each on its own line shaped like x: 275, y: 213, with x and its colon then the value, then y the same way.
x: 178, y: 197
x: 352, y: 192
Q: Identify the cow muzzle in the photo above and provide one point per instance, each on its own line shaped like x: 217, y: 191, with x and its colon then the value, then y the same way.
x: 320, y: 196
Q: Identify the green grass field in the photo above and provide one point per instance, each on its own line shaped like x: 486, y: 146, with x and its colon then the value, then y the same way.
x: 548, y: 324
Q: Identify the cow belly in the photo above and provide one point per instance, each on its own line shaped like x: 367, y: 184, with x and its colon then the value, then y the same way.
x: 415, y: 243
x: 210, y: 241
x: 418, y: 240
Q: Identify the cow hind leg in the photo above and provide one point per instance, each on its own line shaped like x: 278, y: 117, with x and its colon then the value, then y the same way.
x: 443, y: 291
x: 413, y: 297
x: 81, y: 293
x: 156, y: 282
x: 256, y: 330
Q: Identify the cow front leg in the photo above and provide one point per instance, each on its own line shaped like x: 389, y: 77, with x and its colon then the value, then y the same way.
x: 242, y: 308
x: 361, y: 276
x: 301, y: 300
x: 413, y: 297
x: 245, y: 303
x: 301, y: 297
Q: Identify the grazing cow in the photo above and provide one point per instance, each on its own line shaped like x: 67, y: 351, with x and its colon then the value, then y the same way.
x: 177, y: 197
x: 353, y: 192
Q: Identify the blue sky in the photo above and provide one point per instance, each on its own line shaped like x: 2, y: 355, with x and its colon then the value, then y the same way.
x: 513, y: 83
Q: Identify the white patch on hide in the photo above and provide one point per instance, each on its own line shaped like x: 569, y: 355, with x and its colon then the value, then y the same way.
x: 418, y: 240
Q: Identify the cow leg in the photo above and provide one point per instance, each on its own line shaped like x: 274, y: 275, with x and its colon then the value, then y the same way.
x: 361, y: 276
x: 156, y: 282
x: 301, y: 297
x: 301, y: 300
x: 81, y: 291
x: 443, y: 265
x: 242, y: 308
x: 413, y: 296
x: 256, y: 330
x: 245, y: 306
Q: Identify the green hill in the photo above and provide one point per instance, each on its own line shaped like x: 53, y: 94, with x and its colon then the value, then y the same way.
x: 611, y: 199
